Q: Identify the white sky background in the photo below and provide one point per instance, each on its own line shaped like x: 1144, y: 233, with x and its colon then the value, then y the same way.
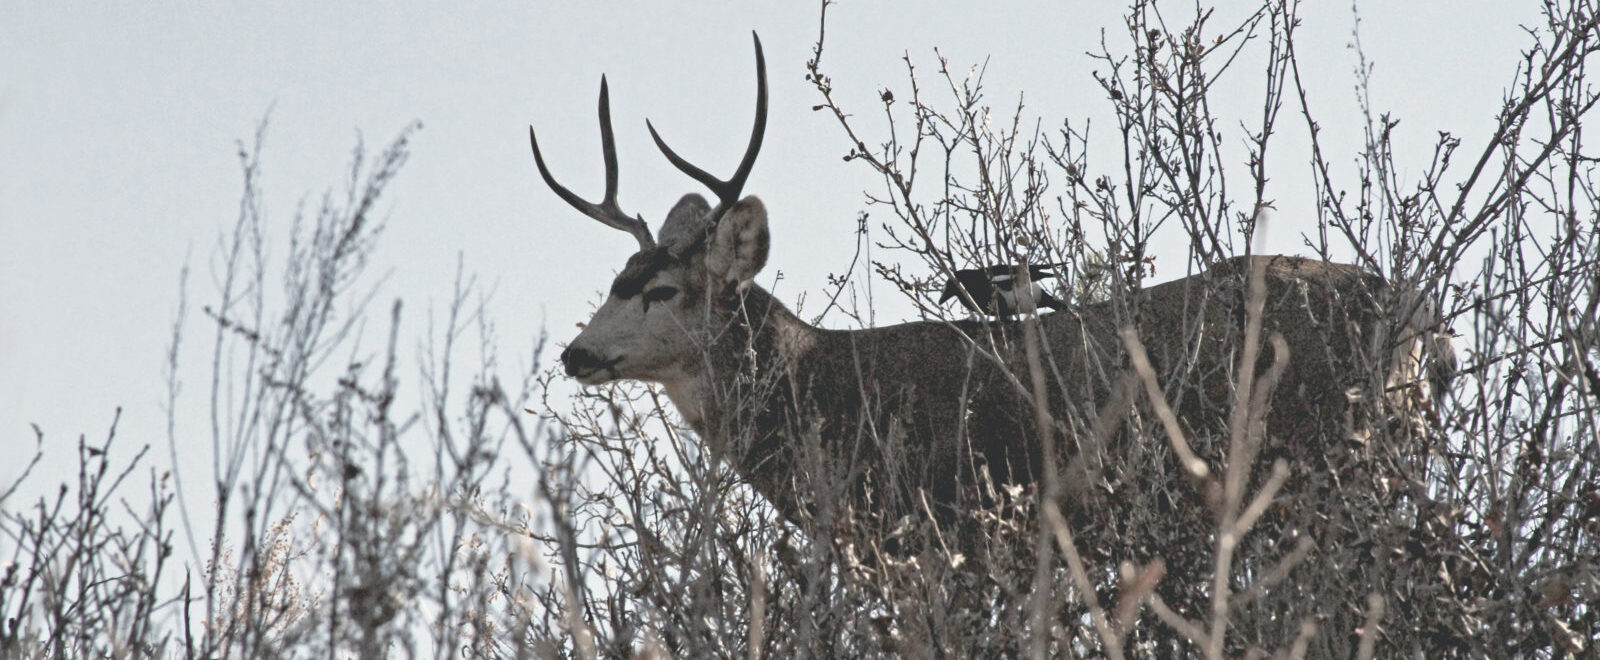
x: 118, y: 124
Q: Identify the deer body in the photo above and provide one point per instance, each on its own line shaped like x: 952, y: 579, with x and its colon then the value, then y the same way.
x: 917, y: 408
x: 915, y: 419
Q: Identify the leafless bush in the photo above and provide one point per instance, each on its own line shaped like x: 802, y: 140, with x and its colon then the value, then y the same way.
x: 1466, y: 527
x: 339, y: 519
x: 343, y: 520
x: 82, y: 579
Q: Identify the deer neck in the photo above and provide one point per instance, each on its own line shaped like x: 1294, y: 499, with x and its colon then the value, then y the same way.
x: 735, y: 398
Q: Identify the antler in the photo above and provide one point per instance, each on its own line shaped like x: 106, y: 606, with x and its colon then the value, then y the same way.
x: 607, y: 211
x: 727, y: 192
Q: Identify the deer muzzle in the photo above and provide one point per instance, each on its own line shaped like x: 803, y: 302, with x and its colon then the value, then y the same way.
x: 586, y: 366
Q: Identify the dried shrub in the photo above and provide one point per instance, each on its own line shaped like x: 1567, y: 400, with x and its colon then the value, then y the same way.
x: 344, y: 520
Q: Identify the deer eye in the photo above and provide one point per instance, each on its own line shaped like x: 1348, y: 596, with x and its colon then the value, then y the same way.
x: 659, y: 294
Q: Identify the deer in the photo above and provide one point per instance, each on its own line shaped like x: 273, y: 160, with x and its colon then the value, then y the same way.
x: 911, y: 419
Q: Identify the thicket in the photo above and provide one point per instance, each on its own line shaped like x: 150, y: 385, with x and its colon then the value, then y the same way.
x: 495, y: 520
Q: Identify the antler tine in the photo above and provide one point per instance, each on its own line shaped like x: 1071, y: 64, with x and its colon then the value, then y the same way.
x: 607, y: 211
x: 727, y: 192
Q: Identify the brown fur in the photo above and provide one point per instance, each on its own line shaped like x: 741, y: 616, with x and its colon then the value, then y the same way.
x: 902, y: 420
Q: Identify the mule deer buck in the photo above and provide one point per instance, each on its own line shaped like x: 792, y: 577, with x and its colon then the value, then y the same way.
x: 905, y: 419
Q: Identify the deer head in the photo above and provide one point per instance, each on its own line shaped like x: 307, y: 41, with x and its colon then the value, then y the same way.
x: 704, y: 256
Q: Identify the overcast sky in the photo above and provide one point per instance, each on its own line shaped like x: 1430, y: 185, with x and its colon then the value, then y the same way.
x: 118, y: 124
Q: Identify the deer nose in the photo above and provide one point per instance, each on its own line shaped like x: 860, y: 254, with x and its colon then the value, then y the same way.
x: 579, y: 360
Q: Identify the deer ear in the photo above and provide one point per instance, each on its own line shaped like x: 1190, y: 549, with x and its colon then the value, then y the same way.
x: 739, y: 248
x: 685, y: 223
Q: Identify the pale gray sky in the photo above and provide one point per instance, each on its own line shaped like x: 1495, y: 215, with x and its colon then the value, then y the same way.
x: 118, y: 122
